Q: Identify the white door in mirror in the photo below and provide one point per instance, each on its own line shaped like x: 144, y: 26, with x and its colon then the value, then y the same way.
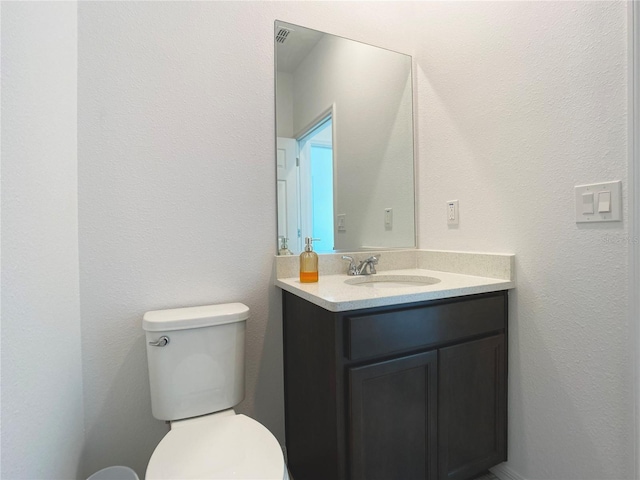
x: 287, y: 193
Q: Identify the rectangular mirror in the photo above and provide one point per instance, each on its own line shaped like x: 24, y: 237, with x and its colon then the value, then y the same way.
x: 344, y: 153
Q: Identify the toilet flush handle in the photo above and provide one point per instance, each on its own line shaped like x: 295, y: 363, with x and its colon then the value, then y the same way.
x: 161, y: 342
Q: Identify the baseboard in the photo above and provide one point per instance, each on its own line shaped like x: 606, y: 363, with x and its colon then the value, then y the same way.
x: 505, y: 473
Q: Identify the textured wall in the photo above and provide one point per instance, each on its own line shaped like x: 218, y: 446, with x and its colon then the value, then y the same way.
x: 176, y: 195
x: 42, y: 412
x: 528, y: 101
x: 516, y: 103
x: 177, y: 190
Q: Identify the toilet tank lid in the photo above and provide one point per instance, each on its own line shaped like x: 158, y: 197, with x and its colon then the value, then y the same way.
x: 194, y: 317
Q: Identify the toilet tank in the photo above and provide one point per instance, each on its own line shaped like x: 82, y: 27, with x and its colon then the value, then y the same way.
x: 197, y: 367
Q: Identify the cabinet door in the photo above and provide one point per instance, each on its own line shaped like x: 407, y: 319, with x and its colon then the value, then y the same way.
x: 393, y: 419
x: 472, y: 408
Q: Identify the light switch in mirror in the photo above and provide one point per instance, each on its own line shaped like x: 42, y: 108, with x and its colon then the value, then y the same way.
x: 345, y: 148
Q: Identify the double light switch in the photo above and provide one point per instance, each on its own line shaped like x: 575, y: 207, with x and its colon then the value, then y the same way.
x: 599, y: 202
x: 602, y: 200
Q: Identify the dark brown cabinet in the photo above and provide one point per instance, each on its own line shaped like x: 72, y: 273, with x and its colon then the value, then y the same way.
x: 394, y: 418
x: 414, y: 391
x: 471, y: 407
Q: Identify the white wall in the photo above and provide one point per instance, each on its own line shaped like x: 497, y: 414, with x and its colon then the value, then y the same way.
x: 42, y: 411
x: 177, y: 207
x: 522, y: 101
x: 284, y: 105
x: 177, y: 191
x: 516, y: 103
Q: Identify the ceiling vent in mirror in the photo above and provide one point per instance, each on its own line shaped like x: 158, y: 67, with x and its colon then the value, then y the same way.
x: 282, y: 34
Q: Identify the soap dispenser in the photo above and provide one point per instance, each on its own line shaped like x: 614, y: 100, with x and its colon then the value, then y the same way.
x: 308, y: 263
x: 284, y: 248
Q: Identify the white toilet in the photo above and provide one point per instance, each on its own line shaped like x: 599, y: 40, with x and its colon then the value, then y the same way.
x: 196, y: 372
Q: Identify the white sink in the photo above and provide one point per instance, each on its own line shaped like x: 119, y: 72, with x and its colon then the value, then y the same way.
x: 392, y: 281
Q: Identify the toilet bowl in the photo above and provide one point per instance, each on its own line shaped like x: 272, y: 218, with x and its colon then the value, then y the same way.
x: 218, y: 446
x: 196, y: 375
x: 116, y: 472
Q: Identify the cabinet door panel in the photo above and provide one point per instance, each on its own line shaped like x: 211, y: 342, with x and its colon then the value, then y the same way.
x: 472, y: 408
x: 393, y: 419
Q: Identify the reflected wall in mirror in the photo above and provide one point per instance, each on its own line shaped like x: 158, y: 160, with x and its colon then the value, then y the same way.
x: 344, y: 127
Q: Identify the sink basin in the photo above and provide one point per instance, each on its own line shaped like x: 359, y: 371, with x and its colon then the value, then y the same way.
x: 392, y: 281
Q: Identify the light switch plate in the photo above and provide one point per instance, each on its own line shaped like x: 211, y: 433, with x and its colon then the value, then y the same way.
x: 342, y: 222
x: 452, y: 212
x: 615, y: 213
x: 388, y: 218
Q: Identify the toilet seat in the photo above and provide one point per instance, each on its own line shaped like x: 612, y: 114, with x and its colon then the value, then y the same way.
x: 217, y: 447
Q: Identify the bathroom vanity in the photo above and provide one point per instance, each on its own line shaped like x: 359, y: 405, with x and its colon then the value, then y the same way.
x: 406, y: 390
x: 399, y: 375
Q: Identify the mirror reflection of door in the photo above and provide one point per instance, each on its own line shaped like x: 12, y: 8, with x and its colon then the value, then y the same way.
x: 288, y: 194
x: 316, y: 181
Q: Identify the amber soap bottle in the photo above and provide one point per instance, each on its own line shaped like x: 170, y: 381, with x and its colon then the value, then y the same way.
x: 308, y: 263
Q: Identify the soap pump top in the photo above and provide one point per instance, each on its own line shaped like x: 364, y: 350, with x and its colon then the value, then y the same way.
x: 284, y: 248
x: 308, y: 263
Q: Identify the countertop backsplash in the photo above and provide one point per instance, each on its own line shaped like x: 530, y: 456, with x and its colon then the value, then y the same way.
x: 491, y: 265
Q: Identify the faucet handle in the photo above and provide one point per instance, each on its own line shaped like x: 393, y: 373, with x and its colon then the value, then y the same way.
x: 372, y: 261
x: 352, y: 265
x: 373, y: 258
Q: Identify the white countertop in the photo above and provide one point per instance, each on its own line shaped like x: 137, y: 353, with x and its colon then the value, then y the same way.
x: 333, y: 294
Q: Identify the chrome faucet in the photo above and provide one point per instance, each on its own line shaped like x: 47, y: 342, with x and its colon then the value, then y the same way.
x: 352, y: 265
x: 365, y: 267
